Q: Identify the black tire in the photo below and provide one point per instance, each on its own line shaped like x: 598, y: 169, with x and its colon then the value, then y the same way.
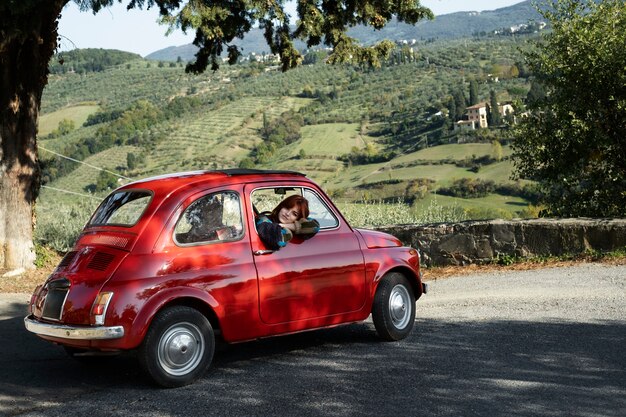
x: 178, y: 347
x: 393, y: 311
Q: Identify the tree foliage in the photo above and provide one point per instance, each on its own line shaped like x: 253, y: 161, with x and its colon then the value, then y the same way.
x: 218, y: 23
x: 574, y: 140
x: 473, y: 92
x: 468, y: 188
x: 89, y: 60
x: 494, y: 117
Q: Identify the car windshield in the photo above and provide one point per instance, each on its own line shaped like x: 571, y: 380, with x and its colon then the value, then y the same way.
x: 122, y: 208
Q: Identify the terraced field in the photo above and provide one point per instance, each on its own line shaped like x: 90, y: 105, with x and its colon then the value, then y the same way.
x: 322, y: 144
x: 218, y: 138
x: 422, y: 164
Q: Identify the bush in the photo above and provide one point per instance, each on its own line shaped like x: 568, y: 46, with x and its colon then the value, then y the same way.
x: 468, y: 188
x: 528, y: 192
x: 379, y: 213
x: 59, y: 225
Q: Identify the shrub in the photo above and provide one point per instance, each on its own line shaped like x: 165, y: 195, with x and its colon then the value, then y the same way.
x: 59, y: 225
x: 468, y: 188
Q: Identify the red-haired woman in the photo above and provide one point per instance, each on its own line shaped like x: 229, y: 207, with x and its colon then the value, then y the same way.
x: 289, y: 218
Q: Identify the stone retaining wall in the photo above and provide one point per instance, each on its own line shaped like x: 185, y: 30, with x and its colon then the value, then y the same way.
x: 481, y: 241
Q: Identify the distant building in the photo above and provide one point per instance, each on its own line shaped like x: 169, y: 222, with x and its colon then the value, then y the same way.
x: 505, y: 109
x: 465, y: 125
x: 478, y: 114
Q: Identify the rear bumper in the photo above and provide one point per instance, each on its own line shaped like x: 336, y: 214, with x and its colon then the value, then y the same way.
x: 73, y: 332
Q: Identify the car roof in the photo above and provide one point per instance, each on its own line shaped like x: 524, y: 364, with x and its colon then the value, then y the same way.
x: 174, y: 181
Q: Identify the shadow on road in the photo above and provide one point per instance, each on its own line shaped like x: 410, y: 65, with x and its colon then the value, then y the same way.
x: 445, y: 368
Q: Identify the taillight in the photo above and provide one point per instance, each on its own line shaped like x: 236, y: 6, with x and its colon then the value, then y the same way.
x: 33, y: 298
x: 99, y: 309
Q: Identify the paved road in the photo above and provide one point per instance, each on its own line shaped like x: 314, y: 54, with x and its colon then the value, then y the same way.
x: 537, y: 343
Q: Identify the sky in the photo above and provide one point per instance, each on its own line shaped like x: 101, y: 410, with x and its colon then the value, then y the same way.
x: 138, y: 31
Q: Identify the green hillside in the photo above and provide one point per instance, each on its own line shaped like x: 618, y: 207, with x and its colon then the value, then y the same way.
x: 366, y: 135
x: 443, y: 27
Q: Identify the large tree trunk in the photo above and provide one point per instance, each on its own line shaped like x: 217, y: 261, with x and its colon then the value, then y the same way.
x: 28, y: 39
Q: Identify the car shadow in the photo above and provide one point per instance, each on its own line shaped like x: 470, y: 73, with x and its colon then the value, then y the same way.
x: 448, y: 368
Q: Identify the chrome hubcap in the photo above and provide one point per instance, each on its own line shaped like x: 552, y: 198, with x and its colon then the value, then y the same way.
x: 400, y: 306
x: 181, y: 349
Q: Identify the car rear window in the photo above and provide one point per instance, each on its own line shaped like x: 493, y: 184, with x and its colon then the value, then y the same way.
x: 122, y: 208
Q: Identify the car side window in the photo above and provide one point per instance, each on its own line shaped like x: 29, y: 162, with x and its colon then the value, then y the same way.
x: 265, y: 199
x: 319, y: 211
x: 211, y: 218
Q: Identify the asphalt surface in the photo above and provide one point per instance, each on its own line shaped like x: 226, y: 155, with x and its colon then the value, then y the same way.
x: 548, y: 342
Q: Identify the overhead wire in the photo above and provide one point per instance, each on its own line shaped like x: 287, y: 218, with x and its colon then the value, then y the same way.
x: 71, y: 192
x: 83, y: 163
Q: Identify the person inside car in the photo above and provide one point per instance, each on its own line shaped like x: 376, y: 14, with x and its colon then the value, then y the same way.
x: 289, y: 218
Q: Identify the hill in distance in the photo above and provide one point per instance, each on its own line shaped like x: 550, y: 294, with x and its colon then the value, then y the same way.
x: 448, y: 26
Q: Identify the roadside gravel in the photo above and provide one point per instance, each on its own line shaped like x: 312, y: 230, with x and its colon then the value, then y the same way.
x: 585, y: 292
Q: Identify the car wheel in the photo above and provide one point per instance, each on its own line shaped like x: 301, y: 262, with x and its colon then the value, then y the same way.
x: 393, y: 311
x: 178, y: 347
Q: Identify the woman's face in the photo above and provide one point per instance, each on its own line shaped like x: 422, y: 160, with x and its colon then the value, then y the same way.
x: 288, y: 215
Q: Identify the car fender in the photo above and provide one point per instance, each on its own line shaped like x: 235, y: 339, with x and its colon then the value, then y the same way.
x: 408, y: 266
x: 194, y: 297
x: 384, y: 253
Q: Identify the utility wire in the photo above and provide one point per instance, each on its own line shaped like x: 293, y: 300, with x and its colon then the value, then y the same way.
x: 84, y: 163
x: 70, y: 192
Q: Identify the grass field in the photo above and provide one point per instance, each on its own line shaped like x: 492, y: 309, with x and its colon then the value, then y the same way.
x: 78, y: 114
x: 330, y: 139
x: 492, y: 206
x: 457, y: 152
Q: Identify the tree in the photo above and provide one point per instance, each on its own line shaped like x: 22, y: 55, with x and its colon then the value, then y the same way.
x: 452, y: 111
x: 459, y: 102
x: 131, y: 161
x: 495, y: 118
x: 65, y: 126
x: 28, y: 40
x: 473, y: 92
x: 536, y: 94
x: 573, y: 141
x: 106, y: 181
x: 496, y: 151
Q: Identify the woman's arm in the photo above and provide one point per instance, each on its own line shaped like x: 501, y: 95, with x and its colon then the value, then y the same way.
x: 306, y: 228
x: 273, y: 234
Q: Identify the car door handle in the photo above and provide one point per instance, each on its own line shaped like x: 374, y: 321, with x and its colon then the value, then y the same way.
x: 263, y: 252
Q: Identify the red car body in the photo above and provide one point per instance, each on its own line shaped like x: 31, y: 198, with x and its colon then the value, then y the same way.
x: 243, y: 289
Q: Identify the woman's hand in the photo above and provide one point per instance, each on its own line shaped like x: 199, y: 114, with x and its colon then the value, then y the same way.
x: 288, y: 226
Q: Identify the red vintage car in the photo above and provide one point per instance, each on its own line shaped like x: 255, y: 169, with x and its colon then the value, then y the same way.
x: 168, y: 263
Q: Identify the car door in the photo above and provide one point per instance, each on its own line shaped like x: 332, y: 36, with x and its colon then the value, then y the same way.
x: 319, y: 277
x: 205, y: 246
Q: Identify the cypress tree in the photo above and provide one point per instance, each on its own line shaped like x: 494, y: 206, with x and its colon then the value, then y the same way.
x: 495, y: 119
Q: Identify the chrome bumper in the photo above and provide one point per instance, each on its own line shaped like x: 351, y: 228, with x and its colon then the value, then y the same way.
x: 73, y: 332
